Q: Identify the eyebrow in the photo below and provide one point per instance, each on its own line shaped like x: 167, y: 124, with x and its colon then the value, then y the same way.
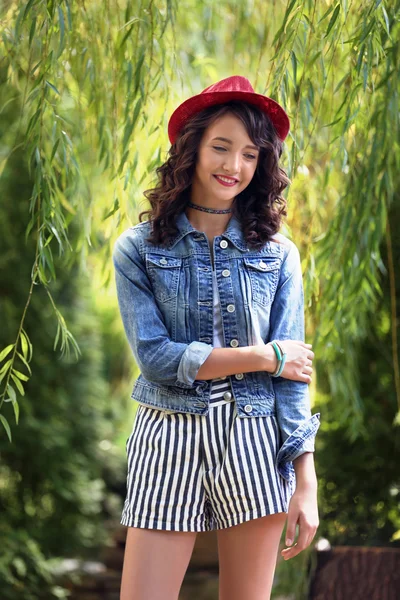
x: 228, y: 141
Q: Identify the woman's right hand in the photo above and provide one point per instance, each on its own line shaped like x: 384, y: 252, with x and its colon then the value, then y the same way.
x: 299, y: 357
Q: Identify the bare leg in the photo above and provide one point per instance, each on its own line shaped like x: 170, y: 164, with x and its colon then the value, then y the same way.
x: 247, y: 557
x: 155, y: 563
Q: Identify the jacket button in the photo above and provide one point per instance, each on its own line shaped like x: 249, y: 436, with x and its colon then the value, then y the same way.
x: 262, y: 264
x: 163, y: 261
x: 234, y: 343
x: 239, y: 375
x: 223, y: 244
x: 226, y: 273
x: 227, y: 396
x: 248, y: 408
x: 230, y: 308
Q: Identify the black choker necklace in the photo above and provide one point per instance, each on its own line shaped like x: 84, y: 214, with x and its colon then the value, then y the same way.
x: 210, y: 210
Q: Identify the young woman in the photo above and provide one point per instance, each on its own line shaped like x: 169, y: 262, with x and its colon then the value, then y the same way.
x: 211, y: 298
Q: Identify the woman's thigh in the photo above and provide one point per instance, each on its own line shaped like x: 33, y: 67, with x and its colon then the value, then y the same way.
x: 247, y: 557
x: 155, y: 563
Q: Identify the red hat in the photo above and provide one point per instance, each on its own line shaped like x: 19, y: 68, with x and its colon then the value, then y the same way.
x: 235, y: 87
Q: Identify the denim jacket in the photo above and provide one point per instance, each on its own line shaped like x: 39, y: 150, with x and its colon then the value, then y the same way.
x: 165, y: 296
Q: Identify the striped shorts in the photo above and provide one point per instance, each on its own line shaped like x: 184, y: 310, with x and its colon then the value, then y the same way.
x: 197, y: 473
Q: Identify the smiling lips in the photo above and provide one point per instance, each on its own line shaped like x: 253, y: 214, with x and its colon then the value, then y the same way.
x: 227, y: 181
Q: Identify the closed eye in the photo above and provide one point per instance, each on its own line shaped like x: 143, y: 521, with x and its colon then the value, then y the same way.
x: 251, y: 156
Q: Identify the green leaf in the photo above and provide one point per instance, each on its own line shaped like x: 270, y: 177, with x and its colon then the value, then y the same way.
x: 294, y: 65
x: 333, y: 19
x: 288, y: 11
x: 385, y: 16
x: 139, y: 64
x: 18, y: 384
x: 120, y: 166
x: 32, y: 31
x: 330, y: 9
x: 53, y: 87
x: 6, y: 426
x: 25, y: 363
x: 35, y: 89
x: 62, y: 31
x: 367, y: 31
x: 70, y: 144
x: 133, y: 20
x: 6, y: 351
x: 4, y: 368
x: 57, y: 336
x: 27, y: 9
x: 69, y: 15
x: 346, y: 77
x: 32, y: 122
x: 11, y: 391
x: 47, y: 256
x: 136, y: 111
x: 128, y: 33
x: 20, y: 375
x: 113, y: 209
x: 24, y: 344
x: 332, y: 122
x: 16, y: 410
x: 54, y: 149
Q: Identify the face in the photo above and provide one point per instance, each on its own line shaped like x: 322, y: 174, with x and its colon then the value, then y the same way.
x: 225, y: 151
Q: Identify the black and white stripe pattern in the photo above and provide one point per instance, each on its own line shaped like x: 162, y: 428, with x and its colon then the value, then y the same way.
x: 196, y: 473
x: 218, y: 388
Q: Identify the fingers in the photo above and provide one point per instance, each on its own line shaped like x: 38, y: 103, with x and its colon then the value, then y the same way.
x: 295, y: 549
x: 309, y: 346
x: 293, y: 516
x: 307, y: 533
x: 301, y: 377
x: 307, y: 374
x: 302, y: 369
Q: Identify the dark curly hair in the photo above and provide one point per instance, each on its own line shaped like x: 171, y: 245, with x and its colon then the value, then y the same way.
x: 259, y: 207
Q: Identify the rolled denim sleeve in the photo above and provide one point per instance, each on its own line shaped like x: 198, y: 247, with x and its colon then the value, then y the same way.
x: 297, y: 426
x: 159, y: 359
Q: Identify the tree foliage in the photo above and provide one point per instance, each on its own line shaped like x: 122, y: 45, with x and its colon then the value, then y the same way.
x: 90, y: 87
x: 95, y: 85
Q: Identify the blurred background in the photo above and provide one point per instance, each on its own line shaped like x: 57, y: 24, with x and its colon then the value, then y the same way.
x: 86, y: 90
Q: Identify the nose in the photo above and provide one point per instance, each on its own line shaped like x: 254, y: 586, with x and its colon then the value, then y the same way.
x: 232, y: 163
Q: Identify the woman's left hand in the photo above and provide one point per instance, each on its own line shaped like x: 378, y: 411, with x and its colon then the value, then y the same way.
x: 303, y: 509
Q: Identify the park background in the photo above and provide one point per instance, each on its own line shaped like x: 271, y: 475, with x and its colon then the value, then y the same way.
x: 86, y: 90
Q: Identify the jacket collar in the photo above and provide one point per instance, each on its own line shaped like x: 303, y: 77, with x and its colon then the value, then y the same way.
x: 233, y: 231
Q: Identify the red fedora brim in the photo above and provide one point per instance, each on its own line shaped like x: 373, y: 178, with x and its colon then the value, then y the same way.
x: 195, y: 104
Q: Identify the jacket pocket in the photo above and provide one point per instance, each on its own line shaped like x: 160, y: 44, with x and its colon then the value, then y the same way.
x: 264, y: 276
x: 164, y: 272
